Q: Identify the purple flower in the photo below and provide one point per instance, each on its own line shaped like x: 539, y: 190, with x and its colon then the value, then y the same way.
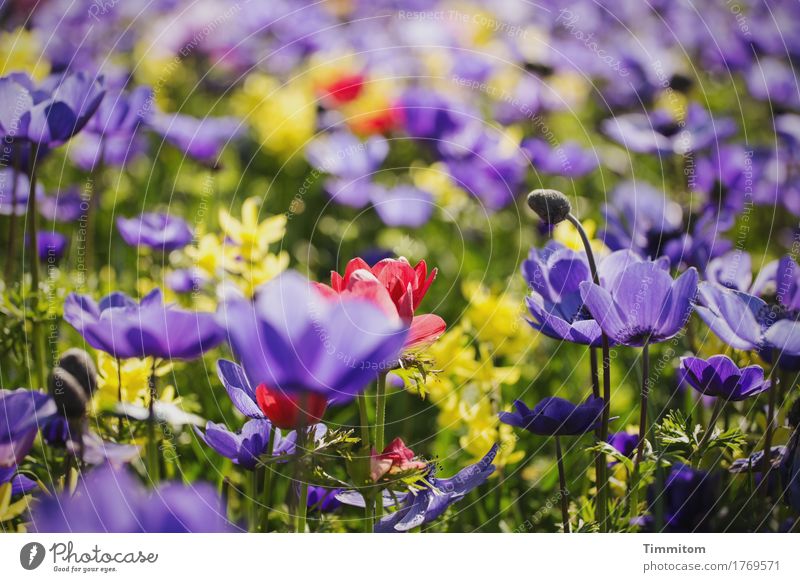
x: 643, y: 305
x: 640, y: 218
x: 186, y: 280
x: 52, y: 246
x: 155, y: 230
x: 123, y: 328
x: 50, y: 113
x: 403, y: 205
x: 554, y: 276
x: 22, y: 412
x: 245, y: 447
x: 746, y: 322
x: 294, y: 339
x: 112, y: 132
x: 660, y: 133
x: 20, y: 484
x: 7, y: 199
x: 200, y: 139
x: 732, y: 270
x: 351, y: 161
x: 109, y: 500
x: 555, y: 416
x: 424, y: 505
x: 687, y: 497
x: 568, y: 159
x: 67, y: 206
x: 755, y: 461
x: 426, y: 114
x: 719, y: 376
x: 323, y: 499
x: 624, y: 442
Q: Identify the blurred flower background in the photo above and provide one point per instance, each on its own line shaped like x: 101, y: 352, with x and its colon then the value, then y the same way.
x: 274, y: 261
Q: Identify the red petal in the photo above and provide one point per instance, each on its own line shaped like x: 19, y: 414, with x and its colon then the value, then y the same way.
x: 425, y: 329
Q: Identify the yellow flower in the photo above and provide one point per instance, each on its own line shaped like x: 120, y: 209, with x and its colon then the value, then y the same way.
x: 21, y: 51
x: 134, y: 375
x: 207, y: 255
x: 437, y: 180
x: 255, y: 274
x: 252, y: 237
x: 283, y: 116
x: 8, y: 510
x: 497, y: 320
x: 484, y: 431
x: 566, y: 234
x: 674, y: 103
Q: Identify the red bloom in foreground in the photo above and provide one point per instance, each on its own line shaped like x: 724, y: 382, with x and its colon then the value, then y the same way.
x: 394, y: 286
x: 395, y: 458
x: 344, y: 89
x: 289, y: 412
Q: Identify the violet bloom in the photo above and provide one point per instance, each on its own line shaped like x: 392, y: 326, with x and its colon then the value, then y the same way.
x: 123, y: 328
x: 732, y: 270
x: 422, y: 506
x: 158, y: 231
x: 51, y: 246
x: 323, y: 499
x: 109, y: 500
x: 624, y: 442
x: 20, y: 484
x: 746, y: 322
x: 246, y: 446
x: 350, y: 162
x: 186, y: 280
x: 200, y: 139
x: 403, y: 205
x: 719, y: 376
x: 67, y: 206
x: 660, y: 133
x: 688, y: 497
x: 22, y: 412
x: 50, y: 113
x: 568, y: 159
x: 8, y: 203
x: 112, y: 132
x: 644, y: 305
x: 294, y: 339
x: 555, y: 416
x: 554, y: 275
x: 426, y: 114
x: 754, y: 462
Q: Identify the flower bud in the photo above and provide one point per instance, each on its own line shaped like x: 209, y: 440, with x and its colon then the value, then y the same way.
x: 551, y: 205
x: 68, y: 393
x: 80, y: 365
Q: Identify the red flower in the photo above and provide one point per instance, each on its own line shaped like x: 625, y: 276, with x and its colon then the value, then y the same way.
x: 394, y: 286
x: 344, y: 89
x: 288, y: 412
x: 395, y: 458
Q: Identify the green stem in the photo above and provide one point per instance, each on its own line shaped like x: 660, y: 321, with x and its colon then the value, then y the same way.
x: 600, y: 462
x: 267, y: 493
x: 12, y: 227
x: 643, y: 405
x: 300, y: 478
x: 253, y: 505
x: 33, y: 250
x: 91, y: 212
x: 152, y: 445
x: 701, y: 447
x: 562, y: 484
x: 767, y: 462
x: 363, y: 419
x: 380, y: 428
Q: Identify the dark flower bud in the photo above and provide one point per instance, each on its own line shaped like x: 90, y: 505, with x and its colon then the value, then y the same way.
x: 551, y: 205
x: 68, y: 393
x: 80, y: 365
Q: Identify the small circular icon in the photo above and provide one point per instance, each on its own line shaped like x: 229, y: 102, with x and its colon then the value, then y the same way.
x: 31, y: 555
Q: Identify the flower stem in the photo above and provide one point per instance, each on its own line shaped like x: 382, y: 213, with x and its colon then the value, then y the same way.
x: 300, y: 478
x: 701, y: 446
x: 643, y: 405
x: 766, y: 462
x: 152, y: 446
x: 253, y: 505
x: 562, y: 484
x: 267, y: 492
x: 600, y: 462
x: 12, y: 227
x: 380, y: 427
x: 33, y: 250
